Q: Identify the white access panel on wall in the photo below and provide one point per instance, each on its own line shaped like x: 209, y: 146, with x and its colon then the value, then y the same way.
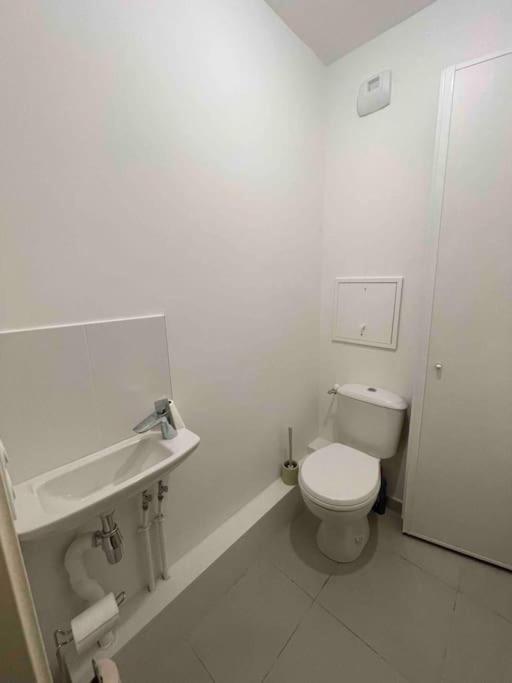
x: 367, y: 310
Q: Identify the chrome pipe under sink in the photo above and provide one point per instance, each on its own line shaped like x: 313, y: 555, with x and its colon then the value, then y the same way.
x: 110, y: 538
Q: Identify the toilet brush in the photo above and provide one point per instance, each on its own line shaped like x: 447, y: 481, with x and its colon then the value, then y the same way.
x: 289, y: 468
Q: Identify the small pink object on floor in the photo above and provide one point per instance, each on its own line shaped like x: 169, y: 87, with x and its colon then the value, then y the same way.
x: 109, y: 671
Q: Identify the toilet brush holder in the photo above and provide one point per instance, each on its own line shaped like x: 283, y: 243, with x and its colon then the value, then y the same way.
x: 289, y: 468
x: 290, y: 473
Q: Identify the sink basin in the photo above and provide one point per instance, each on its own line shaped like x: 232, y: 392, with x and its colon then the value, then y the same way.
x: 68, y: 496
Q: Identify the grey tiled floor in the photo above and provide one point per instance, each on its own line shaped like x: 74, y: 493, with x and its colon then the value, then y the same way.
x: 405, y: 611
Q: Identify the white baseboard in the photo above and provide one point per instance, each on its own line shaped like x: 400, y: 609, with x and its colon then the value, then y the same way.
x: 395, y: 504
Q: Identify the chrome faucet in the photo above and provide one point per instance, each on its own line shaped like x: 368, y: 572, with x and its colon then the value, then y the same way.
x: 160, y: 416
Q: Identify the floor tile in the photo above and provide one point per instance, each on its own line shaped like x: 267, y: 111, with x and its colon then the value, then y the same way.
x: 488, y: 585
x: 400, y: 610
x: 445, y: 564
x: 479, y: 648
x: 240, y: 640
x: 295, y: 552
x: 153, y: 662
x: 322, y: 651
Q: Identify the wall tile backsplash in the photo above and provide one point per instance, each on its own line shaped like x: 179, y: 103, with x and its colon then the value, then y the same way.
x: 130, y: 370
x: 68, y: 391
x: 47, y: 414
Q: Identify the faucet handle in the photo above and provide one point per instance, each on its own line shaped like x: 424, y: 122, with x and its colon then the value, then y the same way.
x: 162, y: 406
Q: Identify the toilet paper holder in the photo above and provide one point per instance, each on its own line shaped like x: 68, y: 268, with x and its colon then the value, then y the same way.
x: 64, y: 637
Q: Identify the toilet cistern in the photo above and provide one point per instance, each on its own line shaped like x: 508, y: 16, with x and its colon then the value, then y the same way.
x: 160, y: 416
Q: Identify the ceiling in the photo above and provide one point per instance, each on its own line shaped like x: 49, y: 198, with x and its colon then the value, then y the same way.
x: 332, y: 28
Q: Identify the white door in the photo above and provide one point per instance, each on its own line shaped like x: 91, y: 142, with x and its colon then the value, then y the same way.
x: 22, y: 655
x: 460, y: 476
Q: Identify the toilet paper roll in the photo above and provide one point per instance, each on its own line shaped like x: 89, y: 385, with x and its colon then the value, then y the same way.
x: 94, y: 622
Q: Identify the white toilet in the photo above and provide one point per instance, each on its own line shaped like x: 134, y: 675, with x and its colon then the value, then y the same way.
x: 340, y: 482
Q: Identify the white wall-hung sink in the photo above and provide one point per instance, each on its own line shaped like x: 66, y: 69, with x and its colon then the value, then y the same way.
x: 68, y: 496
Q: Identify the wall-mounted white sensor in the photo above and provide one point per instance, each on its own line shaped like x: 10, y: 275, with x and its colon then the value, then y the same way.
x: 374, y: 94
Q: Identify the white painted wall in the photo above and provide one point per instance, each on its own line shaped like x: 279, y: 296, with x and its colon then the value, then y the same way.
x: 377, y: 180
x: 166, y: 157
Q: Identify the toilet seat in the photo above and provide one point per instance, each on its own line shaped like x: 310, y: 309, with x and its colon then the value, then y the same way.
x: 339, y: 477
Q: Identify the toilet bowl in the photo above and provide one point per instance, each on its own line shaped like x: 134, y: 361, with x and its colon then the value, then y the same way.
x: 340, y: 485
x: 340, y: 482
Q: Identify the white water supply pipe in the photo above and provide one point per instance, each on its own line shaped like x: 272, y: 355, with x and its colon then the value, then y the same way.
x: 144, y: 530
x: 160, y: 517
x: 84, y: 586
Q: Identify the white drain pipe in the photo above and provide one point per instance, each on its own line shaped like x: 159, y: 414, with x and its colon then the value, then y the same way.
x: 164, y: 568
x: 144, y: 531
x: 84, y: 586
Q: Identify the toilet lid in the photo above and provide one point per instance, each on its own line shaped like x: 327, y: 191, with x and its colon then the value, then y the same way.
x: 340, y: 476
